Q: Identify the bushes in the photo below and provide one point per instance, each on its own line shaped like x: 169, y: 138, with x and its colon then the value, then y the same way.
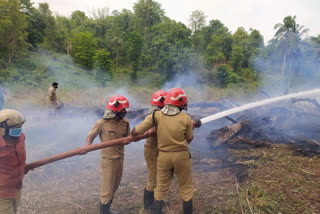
x: 226, y: 76
x: 246, y: 78
x: 83, y: 50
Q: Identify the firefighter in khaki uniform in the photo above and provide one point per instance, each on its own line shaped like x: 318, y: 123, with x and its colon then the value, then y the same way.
x: 52, y: 96
x: 113, y: 125
x: 12, y: 160
x: 151, y: 152
x: 174, y: 130
x: 53, y: 99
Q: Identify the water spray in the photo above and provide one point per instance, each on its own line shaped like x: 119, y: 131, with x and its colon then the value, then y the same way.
x: 257, y: 104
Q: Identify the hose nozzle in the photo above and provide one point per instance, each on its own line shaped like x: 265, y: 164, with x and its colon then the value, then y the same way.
x: 197, y: 123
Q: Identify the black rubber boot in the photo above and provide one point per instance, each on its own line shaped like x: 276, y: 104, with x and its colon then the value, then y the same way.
x: 157, y: 207
x: 187, y: 207
x: 148, y: 198
x: 105, y: 208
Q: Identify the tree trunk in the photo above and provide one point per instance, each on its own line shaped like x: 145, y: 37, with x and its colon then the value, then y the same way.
x: 68, y: 47
x: 283, y: 70
x: 10, y: 58
x: 117, y: 55
x: 11, y: 51
x: 289, y: 78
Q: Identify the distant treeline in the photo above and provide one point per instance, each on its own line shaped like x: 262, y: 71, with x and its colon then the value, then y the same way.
x: 146, y: 43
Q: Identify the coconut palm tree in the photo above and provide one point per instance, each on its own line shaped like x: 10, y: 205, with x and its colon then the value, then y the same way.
x: 289, y: 42
x: 316, y: 48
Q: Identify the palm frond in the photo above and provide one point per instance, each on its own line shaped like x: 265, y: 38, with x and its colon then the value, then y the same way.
x: 279, y: 25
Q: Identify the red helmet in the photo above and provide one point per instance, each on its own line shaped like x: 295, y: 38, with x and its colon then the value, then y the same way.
x: 158, y: 98
x: 117, y: 102
x: 177, y: 97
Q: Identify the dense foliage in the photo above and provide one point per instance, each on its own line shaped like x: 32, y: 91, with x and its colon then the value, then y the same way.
x: 145, y: 44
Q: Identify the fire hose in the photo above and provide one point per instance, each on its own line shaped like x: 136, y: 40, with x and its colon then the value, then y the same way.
x: 80, y: 150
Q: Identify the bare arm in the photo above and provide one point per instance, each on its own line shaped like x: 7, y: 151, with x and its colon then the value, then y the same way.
x: 189, y: 140
x: 89, y: 140
x: 133, y: 132
x: 92, y: 135
x: 143, y: 126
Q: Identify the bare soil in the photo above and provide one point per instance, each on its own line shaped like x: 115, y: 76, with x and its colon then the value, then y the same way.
x: 273, y: 179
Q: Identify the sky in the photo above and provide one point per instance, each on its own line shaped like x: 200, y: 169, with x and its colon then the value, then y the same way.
x: 258, y: 14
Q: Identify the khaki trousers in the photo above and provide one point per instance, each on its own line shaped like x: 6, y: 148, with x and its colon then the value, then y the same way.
x: 111, y: 173
x: 178, y: 163
x: 150, y: 156
x: 10, y: 206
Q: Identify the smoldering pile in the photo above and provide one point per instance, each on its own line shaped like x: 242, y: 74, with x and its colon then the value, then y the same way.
x: 295, y: 122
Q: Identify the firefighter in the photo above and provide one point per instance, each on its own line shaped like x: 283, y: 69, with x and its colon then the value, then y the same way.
x: 53, y: 99
x: 12, y: 160
x: 113, y: 125
x: 151, y: 152
x: 174, y: 130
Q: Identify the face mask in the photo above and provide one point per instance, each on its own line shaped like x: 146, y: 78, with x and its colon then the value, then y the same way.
x: 121, y: 114
x: 15, y: 132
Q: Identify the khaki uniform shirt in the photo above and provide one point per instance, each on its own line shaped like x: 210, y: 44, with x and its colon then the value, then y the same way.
x: 52, y: 97
x: 151, y: 142
x: 172, y: 131
x: 110, y: 129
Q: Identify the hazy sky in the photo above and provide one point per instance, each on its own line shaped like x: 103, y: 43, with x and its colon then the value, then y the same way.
x: 259, y: 14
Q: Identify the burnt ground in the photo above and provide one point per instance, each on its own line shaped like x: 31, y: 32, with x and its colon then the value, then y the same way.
x: 275, y: 179
x: 248, y: 178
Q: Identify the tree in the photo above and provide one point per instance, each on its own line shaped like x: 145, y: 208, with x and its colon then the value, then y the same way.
x: 78, y: 18
x: 63, y: 29
x: 100, y: 17
x: 214, y: 51
x: 36, y: 27
x: 103, y: 60
x: 52, y: 39
x: 197, y: 20
x: 147, y: 13
x: 240, y: 54
x: 104, y: 63
x: 26, y: 6
x: 255, y: 44
x: 120, y: 27
x: 316, y: 48
x: 226, y: 76
x: 217, y: 43
x: 288, y: 41
x: 170, y: 48
x: 135, y: 43
x: 237, y: 58
x: 12, y: 27
x: 219, y: 49
x: 215, y: 27
x: 83, y: 50
x: 198, y: 41
x: 81, y: 23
